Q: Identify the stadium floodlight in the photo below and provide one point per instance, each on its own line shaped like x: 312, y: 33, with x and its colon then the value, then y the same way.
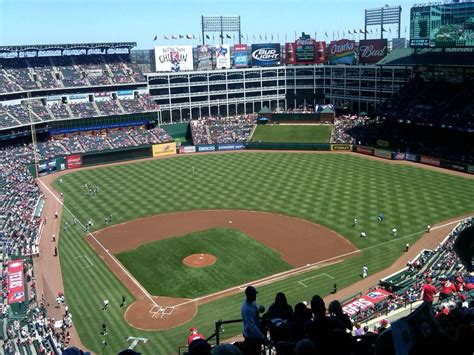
x: 220, y: 24
x: 388, y: 15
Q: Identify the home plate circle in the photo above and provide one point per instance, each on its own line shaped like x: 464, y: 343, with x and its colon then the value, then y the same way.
x: 199, y: 260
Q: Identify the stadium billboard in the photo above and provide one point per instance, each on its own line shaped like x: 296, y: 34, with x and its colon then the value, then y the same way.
x: 16, y: 282
x: 160, y: 150
x: 73, y: 161
x: 290, y: 53
x: 265, y: 54
x: 305, y: 50
x: 372, y: 50
x: 241, y: 59
x: 424, y: 159
x: 186, y: 149
x: 399, y: 43
x: 230, y: 146
x: 382, y: 153
x: 204, y: 58
x: 442, y: 25
x: 366, y: 301
x: 223, y: 56
x: 364, y: 150
x: 173, y: 58
x: 342, y: 52
x: 340, y: 146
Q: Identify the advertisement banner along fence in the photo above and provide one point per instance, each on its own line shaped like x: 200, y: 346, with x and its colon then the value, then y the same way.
x: 16, y: 282
x: 159, y: 150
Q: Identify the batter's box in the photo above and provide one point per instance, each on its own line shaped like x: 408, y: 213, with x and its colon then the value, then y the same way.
x: 167, y: 311
x: 155, y: 310
x: 87, y: 263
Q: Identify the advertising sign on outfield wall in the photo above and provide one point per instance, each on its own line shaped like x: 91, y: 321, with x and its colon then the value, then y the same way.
x: 398, y: 156
x: 223, y: 56
x: 206, y: 148
x: 16, y: 284
x: 186, y: 149
x: 470, y: 169
x: 454, y: 165
x: 429, y: 160
x: 382, y: 153
x: 347, y: 147
x: 230, y: 146
x: 73, y: 161
x: 174, y: 58
x: 411, y: 157
x: 159, y: 150
x: 364, y: 150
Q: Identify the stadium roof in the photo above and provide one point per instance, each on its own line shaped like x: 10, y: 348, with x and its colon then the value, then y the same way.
x: 40, y: 47
x: 429, y: 57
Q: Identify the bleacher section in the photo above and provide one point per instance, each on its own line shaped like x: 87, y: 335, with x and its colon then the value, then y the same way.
x: 209, y: 130
x: 74, y: 71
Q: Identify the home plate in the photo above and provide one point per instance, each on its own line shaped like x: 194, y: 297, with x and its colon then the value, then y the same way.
x: 230, y: 221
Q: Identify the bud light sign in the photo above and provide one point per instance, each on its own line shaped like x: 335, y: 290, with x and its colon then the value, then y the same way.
x: 372, y: 50
x: 342, y: 52
x: 264, y: 55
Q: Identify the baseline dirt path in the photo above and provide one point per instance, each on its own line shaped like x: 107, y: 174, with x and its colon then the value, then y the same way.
x: 299, y: 243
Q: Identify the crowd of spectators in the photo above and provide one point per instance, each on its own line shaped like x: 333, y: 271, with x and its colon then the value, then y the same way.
x: 67, y: 71
x: 216, y: 129
x: 18, y: 113
x: 342, y: 126
x: 433, y: 103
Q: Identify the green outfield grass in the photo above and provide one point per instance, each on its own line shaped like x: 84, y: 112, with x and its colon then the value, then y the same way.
x: 170, y: 277
x: 330, y: 189
x: 293, y: 133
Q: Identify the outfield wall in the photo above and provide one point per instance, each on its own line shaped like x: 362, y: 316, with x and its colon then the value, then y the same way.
x: 165, y: 149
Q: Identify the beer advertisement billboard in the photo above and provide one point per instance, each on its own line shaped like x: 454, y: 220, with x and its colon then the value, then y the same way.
x: 265, y: 54
x: 174, y: 58
x: 372, y: 51
x: 342, y: 52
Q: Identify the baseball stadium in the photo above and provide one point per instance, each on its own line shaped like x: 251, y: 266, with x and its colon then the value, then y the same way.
x: 200, y: 197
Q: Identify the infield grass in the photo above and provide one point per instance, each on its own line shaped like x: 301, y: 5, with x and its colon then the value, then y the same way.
x: 330, y: 189
x: 293, y: 133
x: 233, y: 249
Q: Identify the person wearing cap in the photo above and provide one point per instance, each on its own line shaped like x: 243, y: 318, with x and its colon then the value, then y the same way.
x: 194, y: 335
x: 383, y: 326
x: 428, y: 291
x: 252, y: 329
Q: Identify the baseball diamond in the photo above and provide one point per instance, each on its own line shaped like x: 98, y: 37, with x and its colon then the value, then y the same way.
x: 245, y: 181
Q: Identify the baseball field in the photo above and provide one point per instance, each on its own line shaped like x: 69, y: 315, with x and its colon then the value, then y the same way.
x: 292, y: 133
x: 152, y: 230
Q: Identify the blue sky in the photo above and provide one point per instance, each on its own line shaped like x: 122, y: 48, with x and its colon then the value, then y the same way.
x: 73, y: 21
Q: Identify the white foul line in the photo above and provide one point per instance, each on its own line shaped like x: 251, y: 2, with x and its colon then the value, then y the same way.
x: 145, y: 292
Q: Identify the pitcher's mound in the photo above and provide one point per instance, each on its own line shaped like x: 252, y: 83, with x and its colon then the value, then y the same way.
x: 199, y: 260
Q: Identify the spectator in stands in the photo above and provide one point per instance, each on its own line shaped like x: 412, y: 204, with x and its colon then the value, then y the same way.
x: 428, y: 291
x: 252, y: 328
x: 322, y: 327
x: 193, y: 335
x: 335, y: 310
x: 302, y: 315
x: 447, y: 288
x: 278, y: 318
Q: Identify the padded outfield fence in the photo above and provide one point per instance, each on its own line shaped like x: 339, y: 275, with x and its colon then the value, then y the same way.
x: 154, y: 150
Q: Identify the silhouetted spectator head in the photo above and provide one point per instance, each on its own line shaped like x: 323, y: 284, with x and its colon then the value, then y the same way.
x: 318, y: 307
x: 226, y: 349
x: 280, y: 299
x: 251, y: 293
x: 335, y: 307
x: 301, y: 311
x: 199, y: 347
x: 305, y: 347
x: 464, y: 247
